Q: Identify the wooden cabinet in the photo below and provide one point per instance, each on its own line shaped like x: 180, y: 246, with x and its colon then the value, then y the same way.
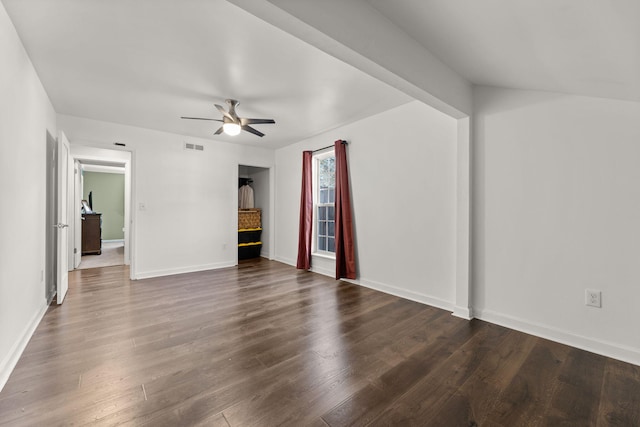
x: 91, y: 234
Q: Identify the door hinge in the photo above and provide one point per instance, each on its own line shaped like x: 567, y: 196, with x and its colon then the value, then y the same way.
x: 75, y: 250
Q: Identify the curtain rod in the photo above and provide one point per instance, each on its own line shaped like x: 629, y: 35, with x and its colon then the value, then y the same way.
x: 329, y: 146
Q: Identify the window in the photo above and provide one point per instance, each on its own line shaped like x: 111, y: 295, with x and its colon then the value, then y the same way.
x: 324, y: 197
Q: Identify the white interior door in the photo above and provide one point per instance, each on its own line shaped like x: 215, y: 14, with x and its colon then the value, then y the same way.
x: 77, y: 217
x: 62, y: 223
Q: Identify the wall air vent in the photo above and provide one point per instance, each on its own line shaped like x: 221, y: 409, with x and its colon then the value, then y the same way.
x: 196, y: 147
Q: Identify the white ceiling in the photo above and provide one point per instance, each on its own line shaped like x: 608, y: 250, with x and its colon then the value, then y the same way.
x: 147, y: 62
x: 584, y: 47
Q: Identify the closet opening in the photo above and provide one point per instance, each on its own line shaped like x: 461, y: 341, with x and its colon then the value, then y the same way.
x: 254, y: 212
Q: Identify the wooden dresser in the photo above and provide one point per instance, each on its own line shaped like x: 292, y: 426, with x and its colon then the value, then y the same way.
x: 91, y: 234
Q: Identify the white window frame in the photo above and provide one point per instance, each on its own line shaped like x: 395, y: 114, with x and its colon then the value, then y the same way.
x: 316, y: 202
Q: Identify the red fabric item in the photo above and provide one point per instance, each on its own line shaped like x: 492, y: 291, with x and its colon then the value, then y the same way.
x: 306, y: 213
x: 345, y: 254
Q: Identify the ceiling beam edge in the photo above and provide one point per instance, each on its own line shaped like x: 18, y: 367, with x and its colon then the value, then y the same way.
x: 360, y: 36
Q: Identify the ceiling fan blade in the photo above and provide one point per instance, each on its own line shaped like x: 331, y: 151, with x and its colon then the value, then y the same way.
x: 256, y: 121
x: 252, y: 130
x: 224, y: 113
x: 201, y: 118
x: 219, y: 131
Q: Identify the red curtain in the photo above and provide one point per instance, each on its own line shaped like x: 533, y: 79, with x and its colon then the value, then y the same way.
x: 345, y: 254
x: 306, y: 213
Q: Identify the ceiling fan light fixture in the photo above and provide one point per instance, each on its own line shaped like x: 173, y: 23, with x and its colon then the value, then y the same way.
x: 232, y: 124
x: 231, y: 129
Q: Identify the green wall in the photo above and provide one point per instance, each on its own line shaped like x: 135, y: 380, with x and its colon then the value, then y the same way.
x: 108, y: 199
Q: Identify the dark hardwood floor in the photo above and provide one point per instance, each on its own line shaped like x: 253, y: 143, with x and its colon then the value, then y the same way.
x: 266, y: 345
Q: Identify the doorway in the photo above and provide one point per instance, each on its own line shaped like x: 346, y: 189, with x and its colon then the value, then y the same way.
x: 113, y: 170
x: 261, y: 182
x: 102, y: 223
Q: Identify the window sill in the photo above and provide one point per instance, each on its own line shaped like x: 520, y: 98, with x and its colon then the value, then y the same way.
x: 323, y: 255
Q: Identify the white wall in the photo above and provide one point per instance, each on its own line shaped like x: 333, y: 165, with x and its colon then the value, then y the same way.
x: 190, y: 197
x: 26, y: 114
x: 403, y: 170
x: 557, y: 210
x: 262, y: 195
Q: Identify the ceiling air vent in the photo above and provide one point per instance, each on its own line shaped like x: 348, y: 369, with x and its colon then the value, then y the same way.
x: 188, y: 146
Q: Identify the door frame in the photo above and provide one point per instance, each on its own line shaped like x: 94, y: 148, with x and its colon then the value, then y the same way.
x: 110, y: 157
x: 63, y: 186
x: 51, y: 212
x: 270, y: 208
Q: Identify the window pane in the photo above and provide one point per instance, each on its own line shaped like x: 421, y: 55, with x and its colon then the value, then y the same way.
x: 332, y: 195
x: 322, y: 213
x: 324, y: 195
x: 332, y: 229
x: 322, y: 228
x: 327, y: 172
x: 331, y: 247
x: 322, y: 243
x: 331, y: 213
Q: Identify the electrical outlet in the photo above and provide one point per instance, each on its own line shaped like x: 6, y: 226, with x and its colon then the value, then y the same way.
x: 593, y: 298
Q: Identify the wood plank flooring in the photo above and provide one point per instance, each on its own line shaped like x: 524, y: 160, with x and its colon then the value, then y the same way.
x: 266, y: 345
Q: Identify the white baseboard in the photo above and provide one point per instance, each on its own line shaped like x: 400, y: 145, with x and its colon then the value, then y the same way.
x: 387, y: 289
x: 462, y: 312
x: 604, y: 348
x: 324, y: 271
x: 182, y: 270
x: 287, y: 261
x: 11, y: 359
x: 113, y: 241
x: 404, y: 293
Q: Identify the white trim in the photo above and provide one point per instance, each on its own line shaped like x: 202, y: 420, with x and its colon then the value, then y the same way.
x: 403, y: 293
x: 182, y: 270
x: 118, y: 170
x: 103, y: 154
x: 604, y: 348
x: 323, y: 271
x: 113, y: 241
x: 463, y: 285
x: 462, y: 312
x: 325, y: 255
x: 317, y: 157
x: 288, y: 261
x: 9, y: 363
x: 377, y: 286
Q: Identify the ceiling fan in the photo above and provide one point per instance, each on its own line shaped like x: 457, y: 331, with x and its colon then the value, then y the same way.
x: 231, y: 123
